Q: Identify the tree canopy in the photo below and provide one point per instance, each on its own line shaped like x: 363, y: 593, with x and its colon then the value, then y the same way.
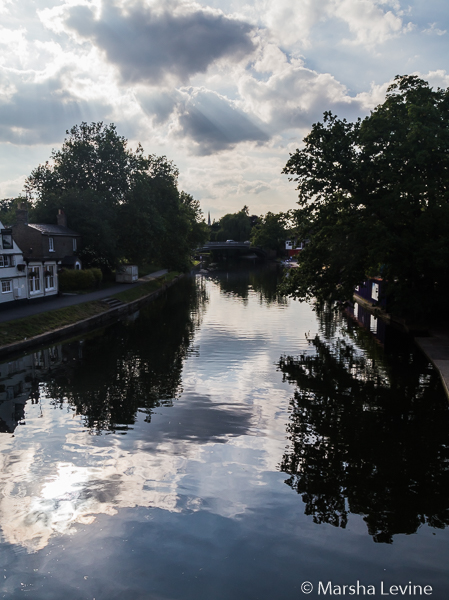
x: 271, y: 231
x: 373, y: 199
x: 125, y: 204
x: 233, y: 226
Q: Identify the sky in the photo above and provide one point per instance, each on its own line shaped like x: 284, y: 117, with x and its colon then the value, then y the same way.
x: 225, y: 89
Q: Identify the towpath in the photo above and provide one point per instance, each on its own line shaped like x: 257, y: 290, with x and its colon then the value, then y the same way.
x: 55, y: 302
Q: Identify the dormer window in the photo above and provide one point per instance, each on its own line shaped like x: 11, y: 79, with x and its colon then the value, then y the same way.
x: 51, y: 245
x: 7, y: 239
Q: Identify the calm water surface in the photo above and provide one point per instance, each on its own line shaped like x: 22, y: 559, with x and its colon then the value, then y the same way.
x: 224, y: 443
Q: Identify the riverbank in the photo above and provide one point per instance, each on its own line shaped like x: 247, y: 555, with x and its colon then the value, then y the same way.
x: 51, y: 324
x: 433, y: 341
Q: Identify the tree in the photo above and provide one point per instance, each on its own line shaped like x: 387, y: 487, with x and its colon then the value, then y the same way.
x: 8, y: 208
x: 373, y: 199
x: 93, y: 157
x: 270, y: 232
x: 126, y: 205
x: 234, y: 226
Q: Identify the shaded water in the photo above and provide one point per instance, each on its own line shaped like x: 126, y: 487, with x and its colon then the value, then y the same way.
x: 224, y: 443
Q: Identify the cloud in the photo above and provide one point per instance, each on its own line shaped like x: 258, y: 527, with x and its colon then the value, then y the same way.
x: 294, y: 96
x: 370, y: 23
x: 434, y: 30
x: 295, y: 21
x: 215, y: 123
x: 161, y: 46
x: 39, y: 112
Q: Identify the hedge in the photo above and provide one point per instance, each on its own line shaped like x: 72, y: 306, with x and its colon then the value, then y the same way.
x: 71, y: 280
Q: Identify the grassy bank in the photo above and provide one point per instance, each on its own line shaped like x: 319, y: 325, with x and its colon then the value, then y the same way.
x: 20, y: 329
x: 28, y: 327
x: 134, y: 293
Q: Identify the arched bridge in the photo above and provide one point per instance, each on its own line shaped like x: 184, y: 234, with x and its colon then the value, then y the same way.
x: 233, y: 248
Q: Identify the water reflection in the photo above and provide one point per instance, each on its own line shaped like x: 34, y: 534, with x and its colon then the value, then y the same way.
x: 369, y: 432
x: 134, y: 365
x: 54, y: 476
x: 237, y: 279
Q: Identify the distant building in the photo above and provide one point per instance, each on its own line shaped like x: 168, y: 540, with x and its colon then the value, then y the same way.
x: 293, y: 247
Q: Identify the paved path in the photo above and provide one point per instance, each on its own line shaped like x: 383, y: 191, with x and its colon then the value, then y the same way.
x: 55, y: 302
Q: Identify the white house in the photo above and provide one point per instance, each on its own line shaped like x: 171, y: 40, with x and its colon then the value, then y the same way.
x: 13, y: 270
x: 20, y: 278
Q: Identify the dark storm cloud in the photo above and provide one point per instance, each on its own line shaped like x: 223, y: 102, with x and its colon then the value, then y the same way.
x: 40, y: 113
x: 152, y: 46
x: 215, y: 124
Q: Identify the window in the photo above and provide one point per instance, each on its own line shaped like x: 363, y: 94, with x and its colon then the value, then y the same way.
x: 6, y: 287
x: 74, y: 244
x: 5, y: 260
x: 34, y: 279
x: 50, y: 278
x: 51, y: 246
x: 7, y: 239
x: 375, y: 291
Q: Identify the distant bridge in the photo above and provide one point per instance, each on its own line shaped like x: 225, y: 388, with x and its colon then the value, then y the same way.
x: 233, y: 247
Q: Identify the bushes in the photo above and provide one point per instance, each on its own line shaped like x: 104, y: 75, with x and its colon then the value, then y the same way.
x: 74, y: 280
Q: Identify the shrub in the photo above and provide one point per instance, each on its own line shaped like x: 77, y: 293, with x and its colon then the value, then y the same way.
x: 71, y: 280
x: 98, y: 275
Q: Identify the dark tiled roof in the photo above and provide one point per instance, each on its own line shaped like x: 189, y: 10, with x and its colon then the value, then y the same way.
x: 52, y: 229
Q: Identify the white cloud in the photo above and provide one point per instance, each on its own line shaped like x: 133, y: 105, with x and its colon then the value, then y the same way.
x: 434, y: 30
x: 368, y: 21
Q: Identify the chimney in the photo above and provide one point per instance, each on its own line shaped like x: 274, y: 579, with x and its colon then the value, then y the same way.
x: 22, y: 213
x: 61, y: 218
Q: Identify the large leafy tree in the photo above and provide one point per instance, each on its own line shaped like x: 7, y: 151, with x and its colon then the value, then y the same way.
x: 373, y: 199
x: 125, y: 204
x: 93, y: 157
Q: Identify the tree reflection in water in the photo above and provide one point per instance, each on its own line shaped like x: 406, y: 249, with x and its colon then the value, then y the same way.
x: 131, y: 366
x: 369, y: 432
x: 239, y: 278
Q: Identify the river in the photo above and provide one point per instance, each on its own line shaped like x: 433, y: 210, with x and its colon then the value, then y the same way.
x: 224, y: 443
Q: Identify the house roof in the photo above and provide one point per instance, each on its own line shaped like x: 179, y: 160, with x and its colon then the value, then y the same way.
x: 46, y: 229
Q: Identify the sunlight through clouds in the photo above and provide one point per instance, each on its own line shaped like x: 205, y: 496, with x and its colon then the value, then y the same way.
x: 201, y: 81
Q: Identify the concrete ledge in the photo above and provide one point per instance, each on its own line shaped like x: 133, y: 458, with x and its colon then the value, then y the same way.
x: 436, y: 348
x: 99, y: 320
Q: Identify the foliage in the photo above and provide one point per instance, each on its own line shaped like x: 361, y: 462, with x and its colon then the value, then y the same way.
x: 373, y: 199
x: 8, y: 208
x: 71, y: 280
x: 126, y: 205
x: 271, y: 231
x: 94, y: 157
x: 234, y: 226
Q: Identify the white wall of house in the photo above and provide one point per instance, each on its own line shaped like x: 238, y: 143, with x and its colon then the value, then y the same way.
x: 19, y: 281
x: 42, y: 278
x: 12, y: 276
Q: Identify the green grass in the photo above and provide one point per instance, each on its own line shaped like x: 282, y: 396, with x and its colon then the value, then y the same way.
x: 144, y: 289
x: 28, y: 327
x: 137, y: 292
x: 20, y: 329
